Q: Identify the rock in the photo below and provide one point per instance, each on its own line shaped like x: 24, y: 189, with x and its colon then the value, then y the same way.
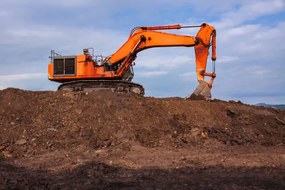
x: 231, y: 113
x: 195, y: 132
x: 52, y: 129
x: 204, y: 135
x: 6, y: 154
x: 2, y: 147
x: 21, y: 142
x: 279, y: 120
x: 78, y: 111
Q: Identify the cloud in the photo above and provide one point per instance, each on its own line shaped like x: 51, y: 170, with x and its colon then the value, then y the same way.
x: 249, y: 11
x: 150, y: 74
x: 4, y: 13
x: 160, y: 60
x: 188, y: 75
x: 227, y: 59
x: 28, y: 81
x: 24, y: 76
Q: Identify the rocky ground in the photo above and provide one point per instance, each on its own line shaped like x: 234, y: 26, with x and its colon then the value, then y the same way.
x: 66, y: 140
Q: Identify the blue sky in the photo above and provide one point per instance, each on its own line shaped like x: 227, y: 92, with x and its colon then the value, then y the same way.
x: 250, y: 43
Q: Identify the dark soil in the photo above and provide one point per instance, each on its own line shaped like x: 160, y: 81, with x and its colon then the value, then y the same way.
x: 67, y: 140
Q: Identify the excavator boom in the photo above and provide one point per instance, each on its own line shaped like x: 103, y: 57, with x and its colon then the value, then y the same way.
x: 118, y: 66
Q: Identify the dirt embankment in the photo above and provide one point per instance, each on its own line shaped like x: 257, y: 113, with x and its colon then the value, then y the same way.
x: 60, y: 140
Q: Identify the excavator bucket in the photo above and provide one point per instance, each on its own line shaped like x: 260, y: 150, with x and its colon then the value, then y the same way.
x: 202, y: 92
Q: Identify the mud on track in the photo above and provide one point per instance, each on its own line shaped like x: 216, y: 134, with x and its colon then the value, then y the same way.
x: 60, y: 140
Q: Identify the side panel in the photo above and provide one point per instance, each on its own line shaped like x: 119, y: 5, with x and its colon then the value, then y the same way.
x: 50, y: 70
x: 83, y: 67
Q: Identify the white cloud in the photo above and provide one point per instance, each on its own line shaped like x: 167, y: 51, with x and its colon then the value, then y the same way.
x: 19, y: 77
x: 148, y: 74
x: 24, y: 76
x: 28, y: 81
x: 232, y: 33
x: 188, y: 76
x: 72, y: 3
x: 4, y: 13
x: 250, y: 10
x: 227, y: 59
x: 159, y: 60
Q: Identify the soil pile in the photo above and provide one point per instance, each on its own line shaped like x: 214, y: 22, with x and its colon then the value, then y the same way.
x: 63, y: 140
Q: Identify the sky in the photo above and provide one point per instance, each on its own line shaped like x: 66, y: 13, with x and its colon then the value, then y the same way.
x: 250, y: 43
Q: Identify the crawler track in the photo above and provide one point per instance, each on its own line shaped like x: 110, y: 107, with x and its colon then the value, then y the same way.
x: 99, y: 85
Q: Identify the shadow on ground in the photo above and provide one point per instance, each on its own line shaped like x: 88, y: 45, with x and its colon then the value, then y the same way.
x: 97, y: 175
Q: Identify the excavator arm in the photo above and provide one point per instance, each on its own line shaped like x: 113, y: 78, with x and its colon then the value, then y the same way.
x: 142, y: 38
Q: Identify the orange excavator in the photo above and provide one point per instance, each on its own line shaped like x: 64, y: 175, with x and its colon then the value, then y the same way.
x: 87, y: 72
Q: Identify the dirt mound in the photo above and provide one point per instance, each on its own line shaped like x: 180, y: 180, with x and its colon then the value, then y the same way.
x: 45, y: 125
x: 60, y: 120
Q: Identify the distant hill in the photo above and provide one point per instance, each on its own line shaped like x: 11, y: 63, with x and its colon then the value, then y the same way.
x: 277, y: 106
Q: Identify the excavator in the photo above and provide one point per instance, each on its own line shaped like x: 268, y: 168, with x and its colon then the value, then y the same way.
x: 87, y: 72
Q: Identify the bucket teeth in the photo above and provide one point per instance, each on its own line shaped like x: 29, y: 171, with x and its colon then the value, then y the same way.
x: 202, y: 92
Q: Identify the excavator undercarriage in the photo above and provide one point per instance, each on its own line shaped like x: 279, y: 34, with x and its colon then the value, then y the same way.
x: 117, y: 86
